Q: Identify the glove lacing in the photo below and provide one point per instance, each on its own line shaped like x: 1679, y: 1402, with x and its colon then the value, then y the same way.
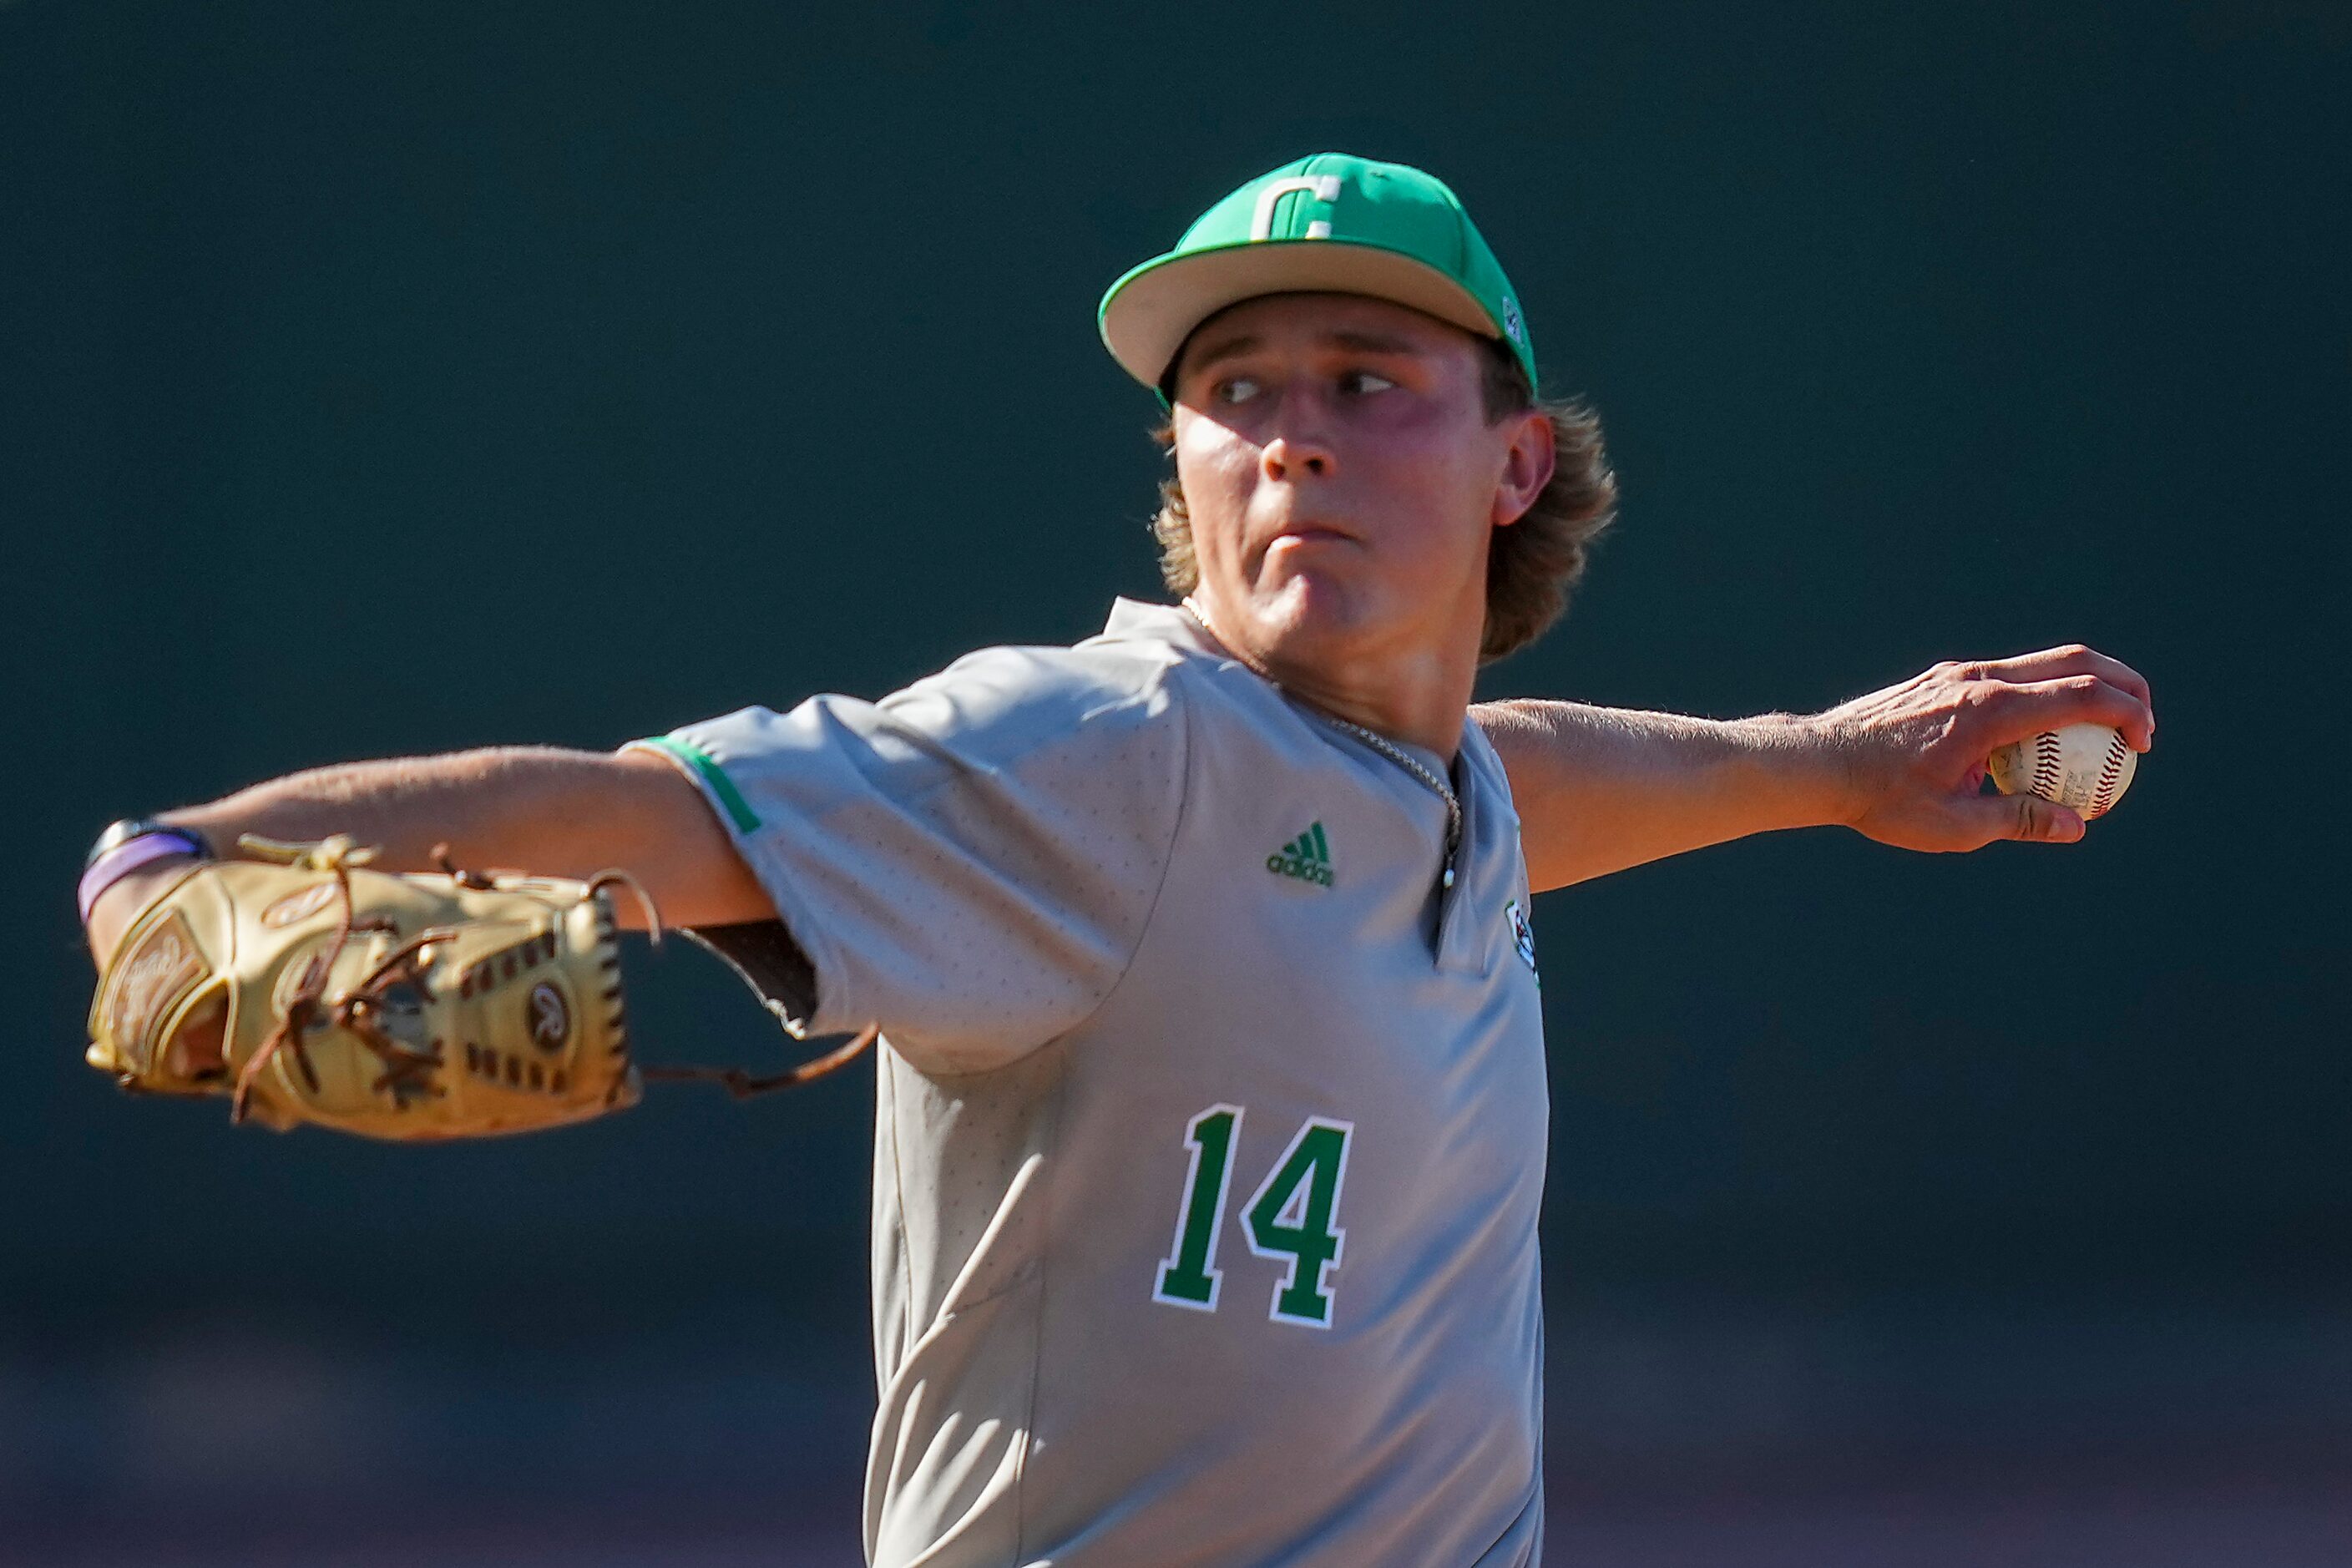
x: 355, y: 1011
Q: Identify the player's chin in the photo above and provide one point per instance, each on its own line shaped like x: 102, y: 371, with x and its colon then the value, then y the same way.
x: 1310, y: 611
x: 1302, y: 594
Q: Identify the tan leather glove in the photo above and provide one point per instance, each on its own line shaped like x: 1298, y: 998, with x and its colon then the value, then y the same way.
x: 399, y: 1006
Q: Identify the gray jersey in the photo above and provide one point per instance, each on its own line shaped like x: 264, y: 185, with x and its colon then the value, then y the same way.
x: 1211, y: 1133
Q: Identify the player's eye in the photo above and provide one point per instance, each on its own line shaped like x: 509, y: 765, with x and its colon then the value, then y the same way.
x: 1237, y: 389
x: 1363, y: 382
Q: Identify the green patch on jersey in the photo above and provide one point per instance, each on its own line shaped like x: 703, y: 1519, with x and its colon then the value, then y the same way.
x: 1307, y: 858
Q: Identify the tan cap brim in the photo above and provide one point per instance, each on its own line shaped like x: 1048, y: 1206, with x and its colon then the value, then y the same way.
x: 1156, y: 307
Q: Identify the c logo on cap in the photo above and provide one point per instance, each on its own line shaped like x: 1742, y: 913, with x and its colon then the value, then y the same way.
x: 1325, y: 188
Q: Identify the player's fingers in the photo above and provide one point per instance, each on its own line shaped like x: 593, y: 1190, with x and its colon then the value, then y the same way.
x: 2014, y: 711
x: 2026, y: 817
x: 2071, y: 658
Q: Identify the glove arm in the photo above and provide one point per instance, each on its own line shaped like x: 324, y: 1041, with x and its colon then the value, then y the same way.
x: 541, y: 809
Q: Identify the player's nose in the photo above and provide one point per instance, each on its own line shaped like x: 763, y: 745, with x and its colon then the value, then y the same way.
x: 1297, y: 451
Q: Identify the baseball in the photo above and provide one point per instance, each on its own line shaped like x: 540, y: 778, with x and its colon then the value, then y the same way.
x: 2084, y: 767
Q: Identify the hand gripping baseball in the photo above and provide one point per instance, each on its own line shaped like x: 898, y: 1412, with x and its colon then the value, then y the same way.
x: 1914, y: 754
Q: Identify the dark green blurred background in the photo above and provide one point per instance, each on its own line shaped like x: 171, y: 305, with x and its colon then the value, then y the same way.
x: 402, y: 378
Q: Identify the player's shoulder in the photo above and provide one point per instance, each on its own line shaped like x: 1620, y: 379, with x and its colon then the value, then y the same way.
x: 1152, y: 667
x: 1021, y: 693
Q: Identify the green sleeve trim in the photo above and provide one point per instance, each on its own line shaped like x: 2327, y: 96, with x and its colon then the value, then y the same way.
x: 739, y: 810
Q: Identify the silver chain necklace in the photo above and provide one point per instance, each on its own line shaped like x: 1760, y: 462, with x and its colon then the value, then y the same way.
x: 1419, y: 770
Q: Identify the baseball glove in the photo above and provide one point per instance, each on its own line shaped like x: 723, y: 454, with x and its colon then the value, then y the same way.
x: 307, y: 988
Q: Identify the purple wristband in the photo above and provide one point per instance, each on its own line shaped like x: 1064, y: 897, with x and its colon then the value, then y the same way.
x: 126, y: 858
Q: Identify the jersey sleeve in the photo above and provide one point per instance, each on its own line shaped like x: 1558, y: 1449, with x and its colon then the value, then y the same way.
x: 970, y: 862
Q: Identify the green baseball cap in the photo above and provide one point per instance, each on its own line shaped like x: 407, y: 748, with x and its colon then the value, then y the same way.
x: 1329, y: 222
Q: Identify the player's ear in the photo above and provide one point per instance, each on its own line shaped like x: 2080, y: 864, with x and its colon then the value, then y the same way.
x: 1527, y: 465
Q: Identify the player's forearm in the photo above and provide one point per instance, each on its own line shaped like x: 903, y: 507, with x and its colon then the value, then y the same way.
x: 1600, y: 789
x: 531, y: 808
x: 507, y: 806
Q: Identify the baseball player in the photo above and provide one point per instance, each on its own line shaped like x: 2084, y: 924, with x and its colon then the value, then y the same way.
x: 1211, y: 1113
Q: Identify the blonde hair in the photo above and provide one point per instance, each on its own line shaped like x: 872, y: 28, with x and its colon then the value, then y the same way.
x: 1531, y: 565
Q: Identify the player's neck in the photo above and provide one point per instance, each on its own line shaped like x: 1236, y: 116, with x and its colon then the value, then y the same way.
x: 1417, y: 695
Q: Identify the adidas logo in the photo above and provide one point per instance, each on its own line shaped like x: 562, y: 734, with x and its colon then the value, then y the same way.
x: 1307, y: 858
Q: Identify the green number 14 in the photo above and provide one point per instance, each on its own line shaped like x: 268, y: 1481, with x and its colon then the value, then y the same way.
x: 1293, y: 1217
